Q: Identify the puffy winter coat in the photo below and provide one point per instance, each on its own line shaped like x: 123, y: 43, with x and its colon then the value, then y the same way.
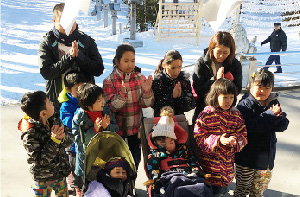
x: 88, y: 134
x: 217, y: 159
x: 262, y: 125
x: 47, y: 159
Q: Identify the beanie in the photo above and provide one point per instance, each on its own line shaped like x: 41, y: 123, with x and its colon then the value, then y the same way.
x: 164, y: 127
x: 115, y: 163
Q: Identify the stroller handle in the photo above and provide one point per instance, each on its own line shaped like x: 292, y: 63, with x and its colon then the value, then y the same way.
x: 81, y: 131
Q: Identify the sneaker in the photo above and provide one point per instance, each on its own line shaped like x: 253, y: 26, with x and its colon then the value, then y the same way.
x: 78, y: 192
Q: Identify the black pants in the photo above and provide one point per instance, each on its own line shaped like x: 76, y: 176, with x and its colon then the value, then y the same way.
x: 273, y: 58
x: 76, y: 180
x: 134, y: 144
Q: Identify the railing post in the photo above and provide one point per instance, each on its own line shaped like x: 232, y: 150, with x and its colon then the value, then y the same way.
x: 251, y: 70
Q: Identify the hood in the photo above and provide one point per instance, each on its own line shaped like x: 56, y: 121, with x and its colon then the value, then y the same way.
x: 24, y: 124
x: 180, y: 133
x: 63, y: 96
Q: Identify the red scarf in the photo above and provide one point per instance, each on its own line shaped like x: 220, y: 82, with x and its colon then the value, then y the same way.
x: 93, y: 115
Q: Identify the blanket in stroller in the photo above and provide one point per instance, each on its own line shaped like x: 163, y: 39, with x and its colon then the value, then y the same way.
x: 176, y: 184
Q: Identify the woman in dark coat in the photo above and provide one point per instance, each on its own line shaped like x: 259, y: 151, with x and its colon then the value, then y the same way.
x: 218, y: 61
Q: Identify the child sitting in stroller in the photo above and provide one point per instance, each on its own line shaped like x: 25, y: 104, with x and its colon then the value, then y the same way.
x: 111, y: 180
x: 169, y: 158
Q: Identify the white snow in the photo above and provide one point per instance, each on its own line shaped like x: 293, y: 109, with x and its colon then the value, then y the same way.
x: 23, y: 23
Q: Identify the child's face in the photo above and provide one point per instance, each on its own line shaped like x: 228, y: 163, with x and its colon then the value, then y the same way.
x: 98, y: 105
x: 49, y: 108
x: 127, y: 62
x: 74, y: 90
x: 161, y: 142
x: 225, y: 101
x: 170, y: 144
x: 118, y: 172
x: 221, y: 52
x: 260, y: 92
x: 173, y: 69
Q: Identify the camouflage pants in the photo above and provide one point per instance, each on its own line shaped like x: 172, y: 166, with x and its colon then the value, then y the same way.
x: 251, y: 181
x: 44, y: 189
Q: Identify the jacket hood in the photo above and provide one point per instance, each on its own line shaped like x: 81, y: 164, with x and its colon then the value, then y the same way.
x: 63, y: 96
x: 24, y: 124
x: 180, y: 133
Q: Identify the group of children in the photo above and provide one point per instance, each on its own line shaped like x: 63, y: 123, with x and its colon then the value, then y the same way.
x: 225, y: 134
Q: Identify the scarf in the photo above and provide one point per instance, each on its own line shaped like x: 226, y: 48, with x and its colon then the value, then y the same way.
x: 94, y: 115
x: 66, y: 40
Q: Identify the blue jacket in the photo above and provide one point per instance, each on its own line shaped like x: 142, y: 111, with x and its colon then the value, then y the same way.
x: 69, y: 107
x: 89, y: 133
x: 262, y: 125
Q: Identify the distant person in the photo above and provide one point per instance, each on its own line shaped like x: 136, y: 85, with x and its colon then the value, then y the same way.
x: 59, y: 53
x: 263, y: 118
x: 278, y: 41
x: 69, y: 107
x: 171, y: 86
x: 128, y: 91
x: 97, y: 118
x: 220, y: 132
x: 45, y: 139
x: 218, y: 61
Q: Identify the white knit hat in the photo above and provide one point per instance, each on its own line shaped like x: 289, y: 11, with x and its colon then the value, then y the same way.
x: 164, y: 127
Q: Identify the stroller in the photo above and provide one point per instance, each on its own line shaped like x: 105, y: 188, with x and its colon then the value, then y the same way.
x: 101, y: 148
x: 181, y: 120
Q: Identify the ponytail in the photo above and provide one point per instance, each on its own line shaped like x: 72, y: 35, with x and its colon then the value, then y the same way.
x: 159, y: 67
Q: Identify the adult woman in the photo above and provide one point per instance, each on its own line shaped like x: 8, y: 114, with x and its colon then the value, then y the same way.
x: 218, y: 61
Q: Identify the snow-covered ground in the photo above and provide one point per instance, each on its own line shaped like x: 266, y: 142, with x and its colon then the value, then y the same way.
x: 23, y: 23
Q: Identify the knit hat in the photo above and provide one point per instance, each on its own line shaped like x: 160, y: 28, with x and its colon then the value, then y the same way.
x: 115, y: 162
x: 277, y: 24
x: 164, y: 127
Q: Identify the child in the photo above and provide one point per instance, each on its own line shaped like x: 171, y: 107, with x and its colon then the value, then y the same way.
x: 171, y: 86
x: 45, y: 140
x: 168, y: 150
x: 220, y: 132
x: 263, y: 117
x: 69, y: 106
x: 96, y: 116
x: 114, y: 177
x: 128, y: 92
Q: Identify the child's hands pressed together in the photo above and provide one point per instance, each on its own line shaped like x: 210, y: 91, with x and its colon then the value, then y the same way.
x: 105, y: 121
x: 276, y: 110
x: 58, y: 132
x: 147, y: 84
x: 97, y: 124
x: 231, y: 141
x: 177, y: 90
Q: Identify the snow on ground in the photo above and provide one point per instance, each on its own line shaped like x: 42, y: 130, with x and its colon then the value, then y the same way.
x: 23, y: 23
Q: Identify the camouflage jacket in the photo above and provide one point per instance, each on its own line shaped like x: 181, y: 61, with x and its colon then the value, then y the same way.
x: 47, y: 159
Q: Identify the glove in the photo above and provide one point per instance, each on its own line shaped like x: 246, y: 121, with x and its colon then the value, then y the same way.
x: 261, y: 44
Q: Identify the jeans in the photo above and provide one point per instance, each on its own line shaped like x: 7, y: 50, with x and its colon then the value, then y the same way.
x: 273, y: 58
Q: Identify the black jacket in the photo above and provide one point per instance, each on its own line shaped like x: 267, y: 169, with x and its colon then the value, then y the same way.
x: 202, y: 78
x: 89, y: 62
x: 278, y: 41
x: 163, y: 86
x: 261, y: 125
